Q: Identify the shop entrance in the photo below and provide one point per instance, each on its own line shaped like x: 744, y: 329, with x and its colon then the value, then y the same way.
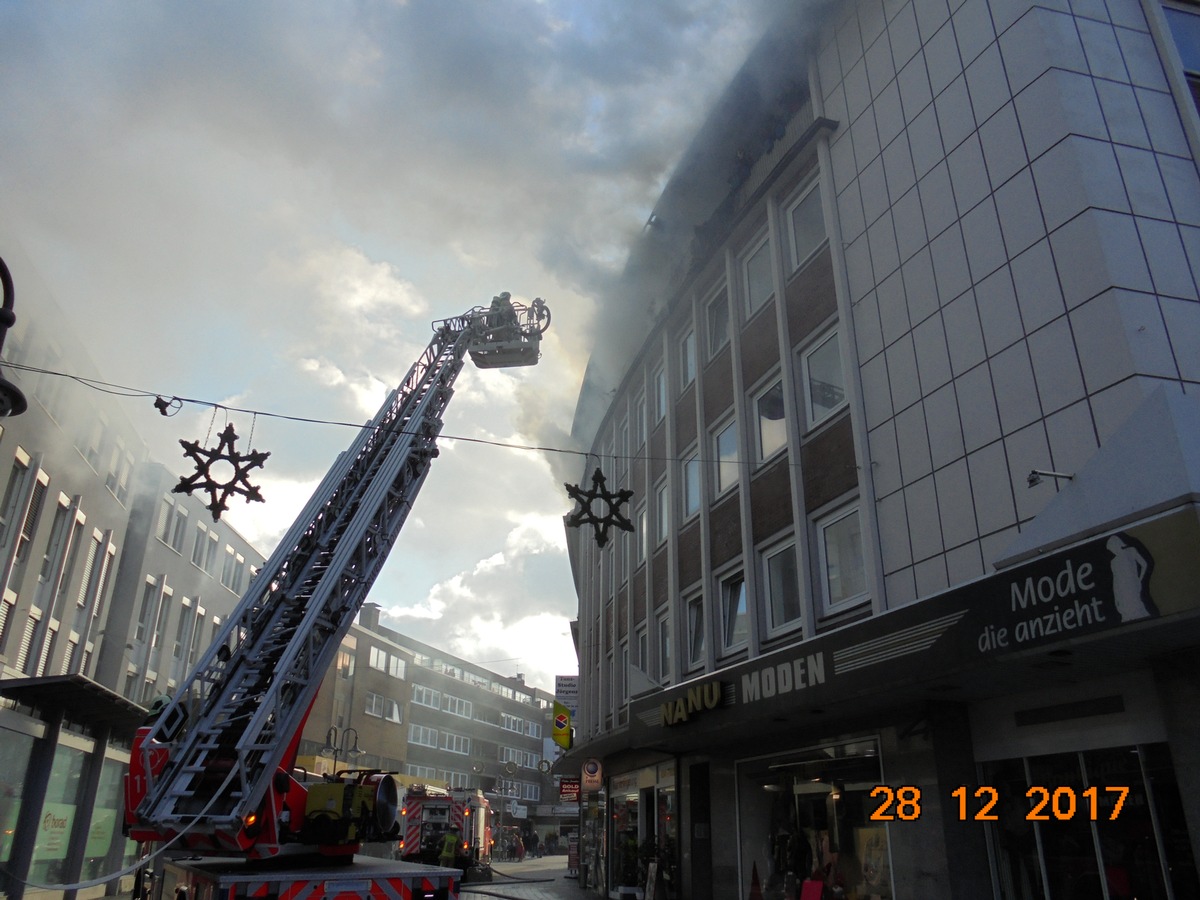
x: 1105, y: 824
x: 806, y: 817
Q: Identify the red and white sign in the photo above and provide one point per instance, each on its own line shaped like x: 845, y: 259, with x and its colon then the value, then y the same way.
x: 568, y: 790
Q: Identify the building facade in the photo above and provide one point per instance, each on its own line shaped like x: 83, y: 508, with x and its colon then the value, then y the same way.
x: 908, y: 405
x: 113, y: 585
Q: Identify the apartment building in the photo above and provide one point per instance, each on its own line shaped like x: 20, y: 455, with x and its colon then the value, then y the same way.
x: 907, y: 398
x: 394, y: 703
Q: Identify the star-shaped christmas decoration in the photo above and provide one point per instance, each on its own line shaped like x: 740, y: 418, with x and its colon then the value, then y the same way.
x: 611, y: 515
x: 218, y: 492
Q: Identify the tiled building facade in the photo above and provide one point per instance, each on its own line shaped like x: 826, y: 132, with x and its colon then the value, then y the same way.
x: 909, y: 410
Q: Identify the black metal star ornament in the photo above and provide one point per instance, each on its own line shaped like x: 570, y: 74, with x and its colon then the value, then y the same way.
x: 202, y: 479
x: 613, y: 502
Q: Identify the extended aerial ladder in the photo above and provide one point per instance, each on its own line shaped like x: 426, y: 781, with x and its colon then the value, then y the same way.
x: 214, y: 769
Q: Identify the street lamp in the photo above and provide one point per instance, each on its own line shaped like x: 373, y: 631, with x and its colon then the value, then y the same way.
x: 335, y: 748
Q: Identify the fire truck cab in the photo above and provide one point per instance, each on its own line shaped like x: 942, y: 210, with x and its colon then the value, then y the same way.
x: 429, y: 813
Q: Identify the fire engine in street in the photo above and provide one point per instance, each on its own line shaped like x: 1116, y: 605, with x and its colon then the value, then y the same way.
x: 428, y: 814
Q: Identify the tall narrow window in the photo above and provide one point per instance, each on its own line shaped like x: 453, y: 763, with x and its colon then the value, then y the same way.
x: 642, y: 536
x: 734, y: 622
x: 687, y: 359
x: 664, y: 649
x: 691, y: 486
x: 662, y: 513
x: 637, y: 420
x: 725, y: 444
x: 824, y: 383
x: 772, y: 426
x: 659, y: 382
x: 695, y: 630
x: 718, y: 322
x: 840, y: 548
x: 806, y: 224
x: 782, y: 585
x: 756, y: 267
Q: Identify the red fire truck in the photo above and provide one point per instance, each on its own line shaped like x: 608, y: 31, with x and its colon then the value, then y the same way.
x: 429, y: 813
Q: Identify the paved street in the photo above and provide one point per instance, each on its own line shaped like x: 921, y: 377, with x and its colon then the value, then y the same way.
x: 534, y: 879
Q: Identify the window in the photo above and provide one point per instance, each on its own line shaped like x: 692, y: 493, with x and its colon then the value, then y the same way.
x: 735, y: 625
x: 12, y: 495
x: 718, y: 322
x: 422, y: 735
x: 92, y: 444
x: 622, y: 674
x: 691, y: 486
x: 687, y: 359
x: 756, y: 270
x: 456, y: 743
x: 382, y: 661
x: 659, y: 381
x: 384, y: 707
x: 662, y: 522
x: 840, y: 556
x: 771, y: 433
x: 233, y: 570
x: 695, y: 630
x: 725, y: 444
x: 512, y: 723
x: 824, y: 384
x: 429, y: 773
x: 424, y: 696
x: 805, y: 224
x: 643, y: 536
x: 148, y: 610
x: 664, y: 649
x: 456, y: 706
x: 643, y: 650
x: 782, y: 585
x: 172, y: 524
x: 120, y: 464
x: 638, y: 420
x: 533, y: 730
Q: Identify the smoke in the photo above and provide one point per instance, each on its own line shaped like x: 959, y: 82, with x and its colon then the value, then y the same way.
x: 739, y: 127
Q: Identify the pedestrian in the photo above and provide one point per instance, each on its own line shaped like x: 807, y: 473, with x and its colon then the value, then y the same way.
x: 534, y: 845
x: 520, y: 847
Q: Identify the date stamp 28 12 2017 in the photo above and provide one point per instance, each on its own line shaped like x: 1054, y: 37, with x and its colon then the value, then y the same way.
x: 1046, y: 804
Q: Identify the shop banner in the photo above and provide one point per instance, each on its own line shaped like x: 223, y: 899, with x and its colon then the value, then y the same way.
x: 566, y: 692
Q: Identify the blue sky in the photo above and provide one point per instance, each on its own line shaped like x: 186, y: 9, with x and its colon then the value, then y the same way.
x: 278, y: 198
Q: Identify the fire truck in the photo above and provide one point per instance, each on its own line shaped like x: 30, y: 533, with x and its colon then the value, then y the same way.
x: 428, y: 813
x: 213, y: 774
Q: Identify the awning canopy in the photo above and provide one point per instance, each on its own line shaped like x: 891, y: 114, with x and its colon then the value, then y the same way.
x: 79, y: 698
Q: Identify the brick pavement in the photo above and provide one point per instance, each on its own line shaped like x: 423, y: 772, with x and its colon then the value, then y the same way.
x: 534, y: 879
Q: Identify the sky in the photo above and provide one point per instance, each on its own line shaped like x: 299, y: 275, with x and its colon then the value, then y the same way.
x: 265, y: 205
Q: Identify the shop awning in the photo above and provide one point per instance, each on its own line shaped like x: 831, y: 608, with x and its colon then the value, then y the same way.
x: 79, y: 699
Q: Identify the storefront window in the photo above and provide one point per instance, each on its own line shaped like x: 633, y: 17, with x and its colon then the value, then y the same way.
x: 13, y: 763
x: 104, y: 829
x: 58, y: 815
x: 806, y: 816
x: 1068, y: 823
